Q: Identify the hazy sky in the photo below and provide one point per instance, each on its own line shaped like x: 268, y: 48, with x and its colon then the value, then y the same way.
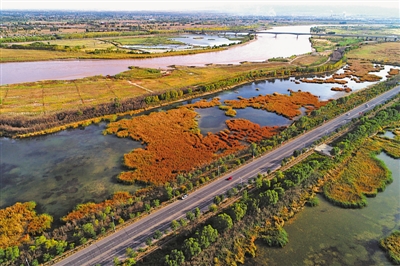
x: 390, y: 8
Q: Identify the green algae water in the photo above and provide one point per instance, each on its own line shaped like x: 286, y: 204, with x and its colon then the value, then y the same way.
x: 62, y: 170
x: 329, y: 235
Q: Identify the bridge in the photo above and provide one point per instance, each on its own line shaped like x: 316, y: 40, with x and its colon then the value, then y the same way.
x: 276, y: 33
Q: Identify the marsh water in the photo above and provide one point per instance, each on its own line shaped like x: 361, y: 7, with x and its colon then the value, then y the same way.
x: 330, y: 235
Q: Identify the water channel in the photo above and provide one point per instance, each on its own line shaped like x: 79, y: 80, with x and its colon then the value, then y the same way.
x: 64, y: 169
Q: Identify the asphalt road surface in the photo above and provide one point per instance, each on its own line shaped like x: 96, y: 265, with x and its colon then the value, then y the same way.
x: 135, y: 235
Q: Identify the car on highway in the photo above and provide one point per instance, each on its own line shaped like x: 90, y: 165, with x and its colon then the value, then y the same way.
x: 229, y: 178
x: 184, y: 196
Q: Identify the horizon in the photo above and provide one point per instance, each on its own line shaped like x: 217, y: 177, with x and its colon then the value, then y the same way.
x: 345, y: 9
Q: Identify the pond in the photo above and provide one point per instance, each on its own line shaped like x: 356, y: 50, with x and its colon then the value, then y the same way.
x: 329, y: 235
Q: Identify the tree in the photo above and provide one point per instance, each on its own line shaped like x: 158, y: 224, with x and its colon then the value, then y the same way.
x: 176, y: 258
x: 190, y: 216
x: 217, y: 200
x: 89, y: 230
x: 169, y: 191
x: 197, y: 212
x: 207, y: 236
x: 213, y: 208
x: 183, y: 222
x: 156, y: 203
x: 269, y: 197
x: 174, y: 225
x: 130, y: 262
x: 237, y: 211
x: 131, y: 253
x: 116, y: 261
x: 147, y: 207
x: 157, y: 234
x: 191, y: 247
x: 335, y: 151
x: 222, y: 222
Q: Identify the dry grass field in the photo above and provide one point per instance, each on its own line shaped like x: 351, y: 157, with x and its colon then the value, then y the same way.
x: 388, y: 53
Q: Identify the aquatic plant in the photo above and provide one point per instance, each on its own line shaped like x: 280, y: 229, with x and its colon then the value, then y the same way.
x: 391, y: 244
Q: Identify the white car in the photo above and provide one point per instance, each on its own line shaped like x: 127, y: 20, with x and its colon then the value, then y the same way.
x: 184, y: 196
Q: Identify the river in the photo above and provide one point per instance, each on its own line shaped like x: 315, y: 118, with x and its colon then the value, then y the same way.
x: 330, y: 235
x: 266, y: 46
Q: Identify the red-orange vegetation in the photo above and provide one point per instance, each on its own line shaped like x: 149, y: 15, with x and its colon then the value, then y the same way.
x: 357, y: 70
x: 83, y: 210
x: 19, y: 221
x: 341, y: 89
x: 320, y: 81
x: 361, y: 69
x: 204, y: 103
x: 286, y: 105
x: 173, y: 145
x: 244, y: 130
x: 393, y: 71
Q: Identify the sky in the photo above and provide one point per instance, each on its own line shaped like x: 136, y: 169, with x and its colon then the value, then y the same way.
x: 385, y: 8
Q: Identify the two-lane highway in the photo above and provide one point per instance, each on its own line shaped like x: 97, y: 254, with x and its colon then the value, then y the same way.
x: 134, y: 235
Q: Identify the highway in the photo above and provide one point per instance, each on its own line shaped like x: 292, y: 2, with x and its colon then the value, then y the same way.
x: 134, y: 235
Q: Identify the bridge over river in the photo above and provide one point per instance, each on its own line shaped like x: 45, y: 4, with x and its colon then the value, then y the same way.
x: 276, y: 33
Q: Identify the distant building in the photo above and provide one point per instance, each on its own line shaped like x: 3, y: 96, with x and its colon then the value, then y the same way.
x: 337, y: 54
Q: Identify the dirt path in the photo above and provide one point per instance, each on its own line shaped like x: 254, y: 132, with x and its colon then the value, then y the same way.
x: 139, y: 86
